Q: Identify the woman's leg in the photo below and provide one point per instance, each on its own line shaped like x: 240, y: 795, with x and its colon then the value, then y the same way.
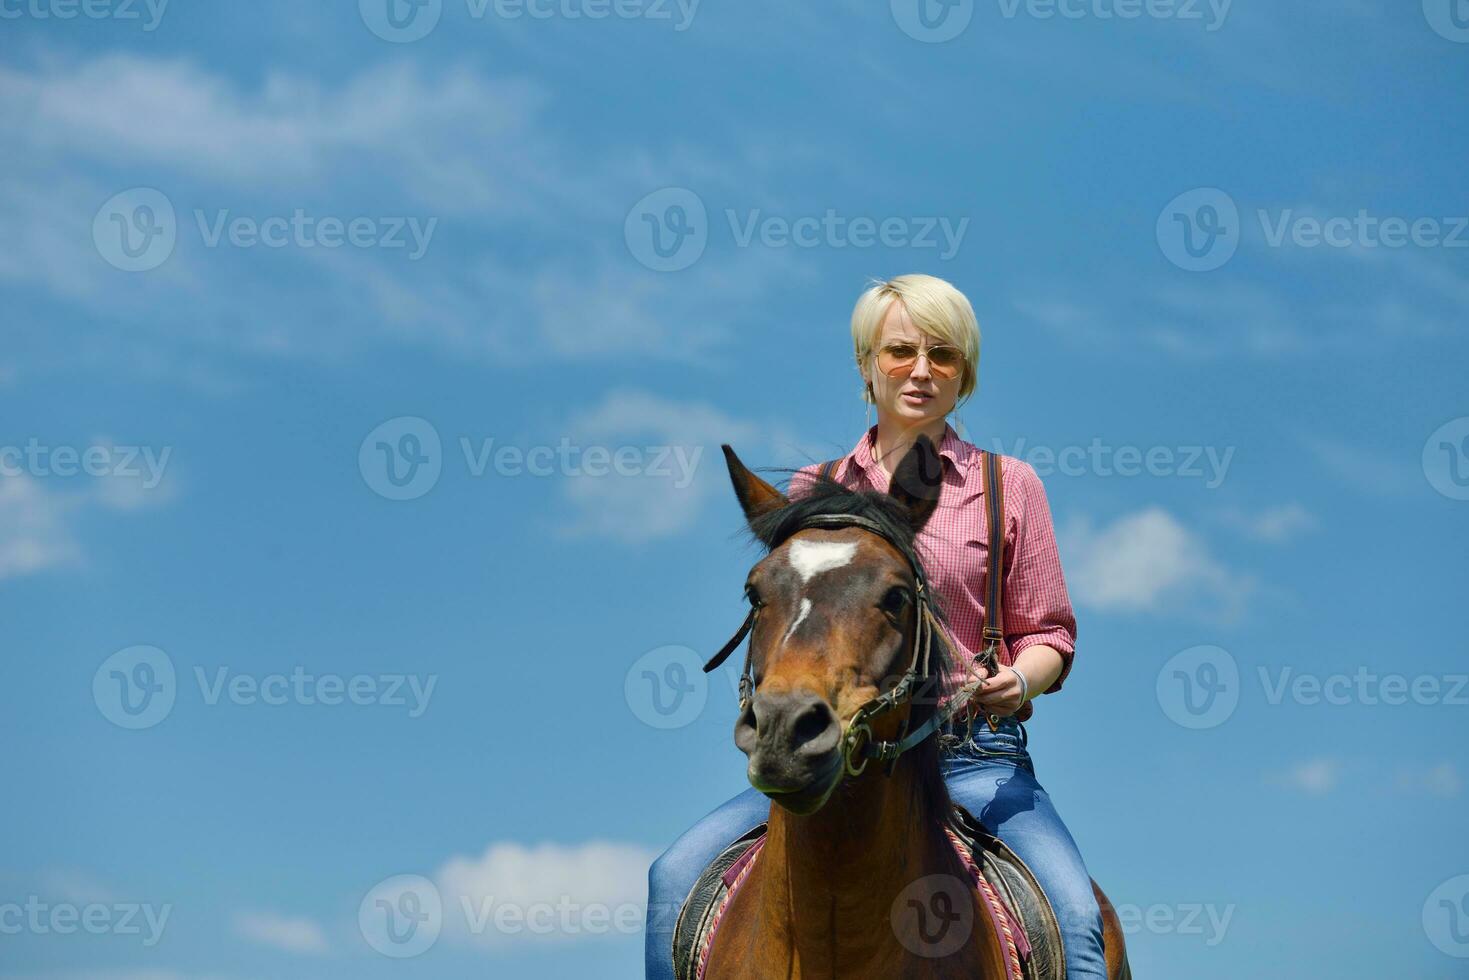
x: 676, y: 870
x: 995, y: 781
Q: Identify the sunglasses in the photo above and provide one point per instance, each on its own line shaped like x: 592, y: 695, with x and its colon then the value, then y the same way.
x: 896, y: 360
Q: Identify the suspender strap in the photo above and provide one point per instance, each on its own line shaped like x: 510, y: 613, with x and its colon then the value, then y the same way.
x: 994, y: 498
x: 829, y: 467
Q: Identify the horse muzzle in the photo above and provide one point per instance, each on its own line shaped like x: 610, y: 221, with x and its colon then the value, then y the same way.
x: 794, y: 744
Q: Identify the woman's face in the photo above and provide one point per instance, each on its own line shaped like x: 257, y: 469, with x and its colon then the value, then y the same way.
x: 919, y: 396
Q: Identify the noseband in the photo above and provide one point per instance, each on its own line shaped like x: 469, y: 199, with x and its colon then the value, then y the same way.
x: 858, y: 744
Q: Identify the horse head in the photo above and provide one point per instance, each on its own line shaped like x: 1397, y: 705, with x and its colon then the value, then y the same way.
x: 835, y: 610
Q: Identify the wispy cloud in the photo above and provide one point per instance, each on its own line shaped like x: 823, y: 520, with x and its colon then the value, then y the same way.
x: 1273, y: 524
x: 1314, y: 777
x: 39, y: 517
x: 292, y: 934
x: 549, y: 890
x: 1148, y: 561
x: 681, y: 438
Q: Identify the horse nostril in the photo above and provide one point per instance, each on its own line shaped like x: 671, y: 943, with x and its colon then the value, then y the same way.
x: 811, y: 724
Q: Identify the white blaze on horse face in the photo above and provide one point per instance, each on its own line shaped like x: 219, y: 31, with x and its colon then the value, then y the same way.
x: 809, y: 558
x: 801, y: 618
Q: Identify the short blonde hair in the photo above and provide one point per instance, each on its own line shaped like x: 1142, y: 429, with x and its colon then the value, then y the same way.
x: 935, y: 307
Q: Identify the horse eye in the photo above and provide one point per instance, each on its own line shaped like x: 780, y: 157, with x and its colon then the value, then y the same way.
x: 894, y: 600
x: 753, y: 595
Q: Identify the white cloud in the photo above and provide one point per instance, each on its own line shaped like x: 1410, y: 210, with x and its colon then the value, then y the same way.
x: 1141, y: 561
x: 77, y: 887
x: 517, y: 892
x: 681, y: 437
x: 1272, y: 524
x: 1442, y: 780
x: 35, y: 532
x: 294, y: 935
x: 1315, y: 777
x: 38, y: 519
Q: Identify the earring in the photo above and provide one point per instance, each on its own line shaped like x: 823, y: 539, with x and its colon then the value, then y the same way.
x: 868, y: 398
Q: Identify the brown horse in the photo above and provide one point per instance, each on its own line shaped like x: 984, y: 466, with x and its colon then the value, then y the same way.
x: 851, y: 864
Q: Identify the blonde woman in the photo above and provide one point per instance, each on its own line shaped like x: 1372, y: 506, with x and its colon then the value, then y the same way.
x: 917, y: 347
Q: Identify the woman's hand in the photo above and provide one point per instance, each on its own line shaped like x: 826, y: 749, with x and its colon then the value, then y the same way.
x: 1002, y: 694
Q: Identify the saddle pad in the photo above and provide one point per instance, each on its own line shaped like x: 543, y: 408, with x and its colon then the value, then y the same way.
x: 720, y: 889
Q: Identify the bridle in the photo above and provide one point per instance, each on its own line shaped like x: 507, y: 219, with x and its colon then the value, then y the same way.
x: 858, y: 744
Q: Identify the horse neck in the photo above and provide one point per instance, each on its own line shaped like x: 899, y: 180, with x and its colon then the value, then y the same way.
x: 845, y: 865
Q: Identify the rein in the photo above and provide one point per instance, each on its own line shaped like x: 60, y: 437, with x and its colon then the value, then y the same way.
x: 858, y: 744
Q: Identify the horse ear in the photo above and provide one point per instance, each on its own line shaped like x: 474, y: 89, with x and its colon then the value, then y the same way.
x: 917, y: 482
x: 755, y: 495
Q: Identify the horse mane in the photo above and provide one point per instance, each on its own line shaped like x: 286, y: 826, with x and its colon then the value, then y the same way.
x: 827, y: 496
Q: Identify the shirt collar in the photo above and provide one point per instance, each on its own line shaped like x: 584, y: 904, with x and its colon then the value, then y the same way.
x: 951, y: 447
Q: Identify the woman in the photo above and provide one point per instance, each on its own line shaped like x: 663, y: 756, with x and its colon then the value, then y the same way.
x: 917, y: 347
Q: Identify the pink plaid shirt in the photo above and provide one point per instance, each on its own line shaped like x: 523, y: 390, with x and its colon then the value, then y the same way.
x: 954, y: 546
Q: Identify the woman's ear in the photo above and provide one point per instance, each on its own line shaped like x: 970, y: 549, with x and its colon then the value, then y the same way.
x: 917, y: 482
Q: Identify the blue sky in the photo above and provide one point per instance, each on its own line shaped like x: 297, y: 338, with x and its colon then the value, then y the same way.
x: 1219, y: 256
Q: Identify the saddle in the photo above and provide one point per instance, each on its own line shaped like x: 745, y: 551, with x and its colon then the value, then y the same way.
x: 1014, y: 905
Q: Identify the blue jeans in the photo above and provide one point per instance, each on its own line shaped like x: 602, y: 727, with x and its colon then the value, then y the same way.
x: 992, y: 777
